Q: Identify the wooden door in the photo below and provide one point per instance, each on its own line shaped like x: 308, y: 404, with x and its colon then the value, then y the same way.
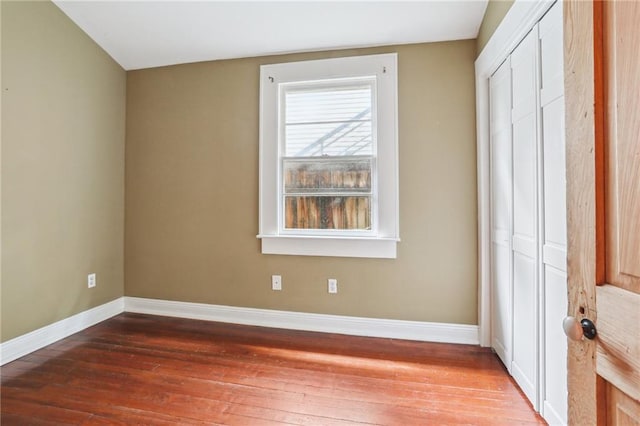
x: 618, y: 299
x: 603, y: 206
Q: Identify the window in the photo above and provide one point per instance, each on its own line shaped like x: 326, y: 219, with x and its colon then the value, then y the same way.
x: 328, y: 157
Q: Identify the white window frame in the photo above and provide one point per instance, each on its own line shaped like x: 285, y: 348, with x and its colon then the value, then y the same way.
x: 381, y: 242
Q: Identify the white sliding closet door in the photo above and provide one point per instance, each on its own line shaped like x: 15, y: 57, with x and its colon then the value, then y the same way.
x: 501, y: 296
x: 554, y: 234
x: 524, y: 366
x: 528, y: 216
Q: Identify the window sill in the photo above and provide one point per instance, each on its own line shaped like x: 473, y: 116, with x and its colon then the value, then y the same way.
x: 368, y: 247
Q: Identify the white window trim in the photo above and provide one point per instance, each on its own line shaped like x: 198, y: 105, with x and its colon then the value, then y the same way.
x: 381, y: 245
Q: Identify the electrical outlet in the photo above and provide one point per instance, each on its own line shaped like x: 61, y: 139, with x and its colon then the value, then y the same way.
x: 332, y: 285
x: 276, y: 282
x: 91, y: 280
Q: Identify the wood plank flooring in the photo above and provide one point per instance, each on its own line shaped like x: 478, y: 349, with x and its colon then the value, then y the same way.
x: 141, y: 369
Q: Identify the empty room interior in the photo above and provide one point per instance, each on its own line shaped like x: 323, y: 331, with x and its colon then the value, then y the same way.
x: 320, y: 213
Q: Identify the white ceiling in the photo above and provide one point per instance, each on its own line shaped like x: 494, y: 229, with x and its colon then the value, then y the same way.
x: 148, y: 33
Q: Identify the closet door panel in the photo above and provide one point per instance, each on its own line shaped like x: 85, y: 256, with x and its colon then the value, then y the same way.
x: 525, y: 216
x: 525, y: 354
x: 554, y: 407
x: 502, y: 316
x: 524, y: 183
x: 554, y: 264
x: 554, y: 235
x: 501, y: 295
x: 554, y: 181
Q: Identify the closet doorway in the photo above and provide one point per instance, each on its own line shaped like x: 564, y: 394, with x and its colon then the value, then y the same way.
x: 527, y: 214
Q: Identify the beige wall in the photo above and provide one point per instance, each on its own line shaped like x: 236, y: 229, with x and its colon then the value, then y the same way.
x: 63, y: 118
x: 496, y: 10
x: 192, y: 194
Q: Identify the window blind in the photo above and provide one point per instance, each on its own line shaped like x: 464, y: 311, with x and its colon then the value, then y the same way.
x: 329, y: 120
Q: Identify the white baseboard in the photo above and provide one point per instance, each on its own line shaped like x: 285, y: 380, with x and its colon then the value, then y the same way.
x: 37, y: 339
x: 371, y: 327
x: 355, y: 326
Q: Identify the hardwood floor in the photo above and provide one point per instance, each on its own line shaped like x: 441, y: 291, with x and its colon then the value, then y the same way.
x: 140, y: 369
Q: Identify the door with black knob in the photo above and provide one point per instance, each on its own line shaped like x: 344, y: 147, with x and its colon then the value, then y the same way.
x: 603, y: 148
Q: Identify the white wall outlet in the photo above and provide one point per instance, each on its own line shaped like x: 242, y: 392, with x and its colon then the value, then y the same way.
x: 332, y: 285
x: 276, y: 282
x: 91, y: 280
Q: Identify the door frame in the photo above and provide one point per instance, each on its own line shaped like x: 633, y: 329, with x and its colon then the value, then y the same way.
x: 518, y: 21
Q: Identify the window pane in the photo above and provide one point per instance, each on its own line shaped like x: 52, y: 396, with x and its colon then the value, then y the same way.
x: 328, y: 212
x: 330, y: 120
x: 314, y: 176
x: 322, y: 139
